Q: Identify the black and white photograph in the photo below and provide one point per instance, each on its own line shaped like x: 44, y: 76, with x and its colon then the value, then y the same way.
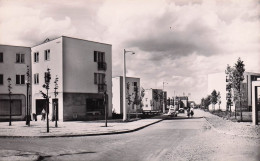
x: 129, y: 80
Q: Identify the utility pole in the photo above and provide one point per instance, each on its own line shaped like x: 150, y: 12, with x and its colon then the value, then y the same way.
x: 105, y: 104
x: 124, y: 84
x: 10, y: 100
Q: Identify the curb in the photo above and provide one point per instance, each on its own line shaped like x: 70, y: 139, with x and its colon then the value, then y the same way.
x: 81, y: 135
x: 228, y: 133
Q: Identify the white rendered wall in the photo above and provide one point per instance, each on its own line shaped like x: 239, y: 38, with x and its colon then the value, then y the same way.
x: 79, y: 67
x: 254, y: 110
x: 147, y: 100
x: 118, y: 94
x: 55, y: 64
x: 9, y: 67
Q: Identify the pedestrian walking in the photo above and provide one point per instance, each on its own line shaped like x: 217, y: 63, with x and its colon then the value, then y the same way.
x: 43, y: 114
x: 191, y: 112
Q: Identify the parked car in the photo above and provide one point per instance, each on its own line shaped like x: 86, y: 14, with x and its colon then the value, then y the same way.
x: 181, y: 110
x: 172, y: 112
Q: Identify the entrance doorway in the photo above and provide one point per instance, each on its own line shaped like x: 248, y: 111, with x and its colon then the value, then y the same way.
x: 40, y: 104
x: 55, y: 109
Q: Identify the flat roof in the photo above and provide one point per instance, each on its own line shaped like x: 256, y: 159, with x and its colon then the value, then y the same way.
x: 126, y: 77
x: 15, y: 46
x: 46, y: 41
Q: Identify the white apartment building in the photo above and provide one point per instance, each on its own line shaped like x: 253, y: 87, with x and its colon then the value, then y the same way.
x: 13, y: 63
x: 132, y: 92
x: 153, y: 100
x: 217, y: 81
x: 84, y: 69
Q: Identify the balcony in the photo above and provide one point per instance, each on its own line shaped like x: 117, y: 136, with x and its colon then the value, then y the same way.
x: 102, y: 87
x: 102, y: 66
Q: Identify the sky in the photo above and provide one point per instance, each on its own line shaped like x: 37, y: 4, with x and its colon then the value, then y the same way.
x: 178, y: 42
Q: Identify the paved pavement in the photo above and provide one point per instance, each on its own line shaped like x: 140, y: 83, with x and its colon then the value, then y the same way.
x: 78, y: 128
x: 87, y: 128
x: 173, y: 139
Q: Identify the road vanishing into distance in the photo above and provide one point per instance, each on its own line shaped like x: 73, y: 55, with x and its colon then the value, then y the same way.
x: 173, y: 139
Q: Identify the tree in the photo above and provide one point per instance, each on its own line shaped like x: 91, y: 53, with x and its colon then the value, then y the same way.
x: 47, y: 78
x: 219, y: 100
x: 56, y: 103
x: 238, y: 77
x: 214, y: 98
x: 207, y: 101
x: 10, y: 99
x: 229, y: 86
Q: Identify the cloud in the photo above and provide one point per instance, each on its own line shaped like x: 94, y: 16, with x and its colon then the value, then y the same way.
x: 178, y: 41
x: 27, y: 27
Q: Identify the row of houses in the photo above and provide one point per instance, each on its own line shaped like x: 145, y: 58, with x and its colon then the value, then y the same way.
x: 84, y: 70
x: 218, y: 82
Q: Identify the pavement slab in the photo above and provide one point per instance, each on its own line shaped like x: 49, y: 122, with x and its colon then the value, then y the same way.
x: 77, y: 128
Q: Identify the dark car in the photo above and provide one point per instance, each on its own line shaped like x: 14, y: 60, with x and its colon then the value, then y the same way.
x: 181, y: 110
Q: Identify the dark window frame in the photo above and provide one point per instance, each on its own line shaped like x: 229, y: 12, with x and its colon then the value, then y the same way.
x: 20, y: 58
x: 47, y: 54
x: 1, y: 79
x: 20, y: 79
x: 36, y: 78
x: 1, y: 57
x: 36, y: 57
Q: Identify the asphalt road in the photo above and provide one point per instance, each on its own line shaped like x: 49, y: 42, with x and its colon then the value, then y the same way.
x: 174, y: 139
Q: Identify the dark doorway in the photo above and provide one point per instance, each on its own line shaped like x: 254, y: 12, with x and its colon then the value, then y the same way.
x: 257, y: 93
x: 40, y: 104
x: 55, y: 106
x: 95, y: 108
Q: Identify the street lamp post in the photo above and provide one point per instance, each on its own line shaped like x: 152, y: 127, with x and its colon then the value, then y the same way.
x: 124, y: 97
x: 163, y: 97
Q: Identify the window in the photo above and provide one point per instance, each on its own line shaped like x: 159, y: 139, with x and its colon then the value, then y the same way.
x: 1, y: 57
x: 99, y: 56
x: 5, y: 107
x: 36, y: 57
x: 19, y: 58
x: 36, y: 78
x: 99, y: 78
x: 20, y: 79
x: 134, y: 84
x: 1, y: 79
x: 47, y: 54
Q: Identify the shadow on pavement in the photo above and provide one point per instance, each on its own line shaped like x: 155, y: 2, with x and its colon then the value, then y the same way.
x: 182, y: 118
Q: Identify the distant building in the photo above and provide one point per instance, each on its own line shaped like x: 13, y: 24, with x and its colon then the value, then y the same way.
x: 13, y: 63
x: 218, y: 82
x: 153, y: 100
x: 84, y: 69
x: 182, y: 101
x: 132, y: 93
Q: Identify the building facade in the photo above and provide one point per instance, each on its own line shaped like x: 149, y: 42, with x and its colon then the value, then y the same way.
x: 218, y: 82
x: 132, y: 94
x: 13, y: 63
x: 84, y: 70
x: 153, y: 100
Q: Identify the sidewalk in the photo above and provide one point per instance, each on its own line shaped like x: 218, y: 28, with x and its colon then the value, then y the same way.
x: 221, y: 125
x: 76, y: 128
